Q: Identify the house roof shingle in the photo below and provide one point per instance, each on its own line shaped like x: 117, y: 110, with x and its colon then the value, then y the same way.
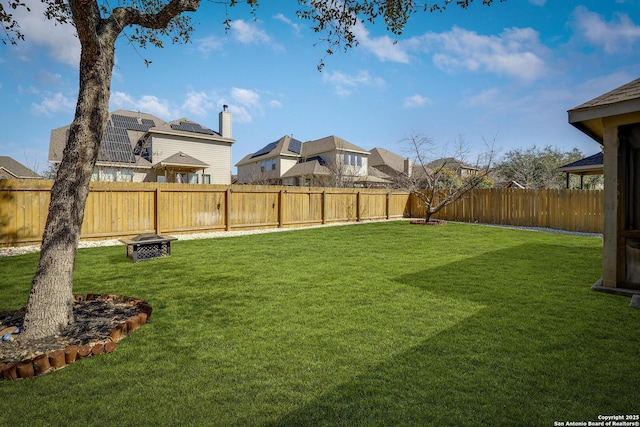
x: 306, y: 169
x: 285, y: 146
x: 593, y: 164
x: 181, y: 159
x: 328, y: 144
x: 16, y: 169
x: 617, y: 102
x: 383, y: 157
x: 130, y: 127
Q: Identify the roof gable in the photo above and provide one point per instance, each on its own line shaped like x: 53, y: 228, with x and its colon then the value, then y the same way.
x: 329, y: 144
x: 181, y: 159
x: 383, y: 157
x: 16, y: 169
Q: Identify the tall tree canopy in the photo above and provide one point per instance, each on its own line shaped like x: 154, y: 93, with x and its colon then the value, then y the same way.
x: 98, y: 25
x: 535, y: 167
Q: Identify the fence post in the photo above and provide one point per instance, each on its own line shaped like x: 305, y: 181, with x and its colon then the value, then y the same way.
x: 324, y: 206
x: 280, y: 208
x: 227, y: 209
x: 157, y: 209
x: 358, y: 206
x: 387, y: 207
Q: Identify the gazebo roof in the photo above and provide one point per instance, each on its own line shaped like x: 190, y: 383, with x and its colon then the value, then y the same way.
x: 623, y: 100
x: 592, y: 165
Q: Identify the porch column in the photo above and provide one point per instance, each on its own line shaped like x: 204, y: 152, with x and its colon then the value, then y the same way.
x: 613, y: 253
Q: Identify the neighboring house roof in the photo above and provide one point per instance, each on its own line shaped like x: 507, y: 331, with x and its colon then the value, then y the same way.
x: 371, y: 180
x: 188, y: 128
x: 383, y: 157
x: 514, y: 184
x: 328, y: 144
x: 181, y: 159
x: 124, y: 130
x: 371, y: 171
x: 623, y: 100
x: 592, y: 165
x: 450, y: 163
x: 284, y: 147
x: 122, y: 141
x: 307, y: 169
x: 11, y: 168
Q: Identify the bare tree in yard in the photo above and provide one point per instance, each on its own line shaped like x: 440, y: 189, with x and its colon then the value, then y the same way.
x: 98, y: 25
x: 438, y: 182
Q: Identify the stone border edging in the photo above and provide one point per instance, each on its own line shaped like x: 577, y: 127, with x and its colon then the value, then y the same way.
x: 56, y: 359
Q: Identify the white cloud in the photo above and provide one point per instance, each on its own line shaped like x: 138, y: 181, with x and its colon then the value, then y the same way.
x: 60, y: 40
x: 146, y: 103
x: 415, y: 101
x: 384, y: 48
x: 273, y: 103
x: 245, y: 97
x: 54, y: 103
x: 538, y: 2
x: 345, y: 83
x: 240, y: 114
x: 207, y: 45
x: 618, y: 35
x: 516, y: 52
x: 295, y: 27
x: 486, y: 98
x: 249, y: 33
x: 198, y: 104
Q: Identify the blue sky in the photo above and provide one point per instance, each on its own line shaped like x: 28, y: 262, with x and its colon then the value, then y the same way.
x: 505, y: 73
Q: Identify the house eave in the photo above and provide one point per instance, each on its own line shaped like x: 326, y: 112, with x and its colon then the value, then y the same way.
x: 589, y: 120
x: 212, y: 138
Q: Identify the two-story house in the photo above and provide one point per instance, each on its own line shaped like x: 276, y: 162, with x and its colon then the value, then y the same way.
x: 140, y: 147
x: 322, y: 162
x: 267, y: 165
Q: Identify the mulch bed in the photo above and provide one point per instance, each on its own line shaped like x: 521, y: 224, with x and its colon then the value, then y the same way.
x: 100, y: 321
x: 430, y: 222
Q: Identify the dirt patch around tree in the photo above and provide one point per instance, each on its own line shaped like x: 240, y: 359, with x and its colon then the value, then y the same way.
x: 100, y: 321
x: 430, y: 222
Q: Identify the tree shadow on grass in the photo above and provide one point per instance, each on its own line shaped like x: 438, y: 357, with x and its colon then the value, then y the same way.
x: 528, y: 358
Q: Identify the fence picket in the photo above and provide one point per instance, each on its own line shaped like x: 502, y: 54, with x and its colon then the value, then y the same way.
x: 126, y: 209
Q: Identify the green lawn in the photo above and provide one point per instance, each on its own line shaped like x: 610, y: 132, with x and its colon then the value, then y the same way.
x: 371, y: 324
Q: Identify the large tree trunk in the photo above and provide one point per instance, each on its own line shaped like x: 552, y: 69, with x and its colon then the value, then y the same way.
x: 49, y: 309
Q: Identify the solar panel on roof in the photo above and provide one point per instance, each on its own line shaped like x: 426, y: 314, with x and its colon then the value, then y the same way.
x: 115, y: 146
x: 192, y: 127
x: 264, y: 150
x: 295, y: 146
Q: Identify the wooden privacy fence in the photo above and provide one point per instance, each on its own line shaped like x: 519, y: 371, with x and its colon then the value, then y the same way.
x: 571, y: 210
x: 127, y: 209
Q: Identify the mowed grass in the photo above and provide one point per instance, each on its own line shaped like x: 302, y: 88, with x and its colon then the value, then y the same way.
x: 368, y: 324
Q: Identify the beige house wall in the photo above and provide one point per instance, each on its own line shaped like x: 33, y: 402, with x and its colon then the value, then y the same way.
x: 216, y: 154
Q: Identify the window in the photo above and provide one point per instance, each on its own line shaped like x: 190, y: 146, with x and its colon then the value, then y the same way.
x: 268, y: 165
x: 124, y: 175
x: 160, y: 178
x: 107, y: 175
x: 206, y: 179
x: 193, y: 178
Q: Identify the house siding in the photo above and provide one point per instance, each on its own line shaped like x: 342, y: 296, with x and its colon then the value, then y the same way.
x: 286, y: 164
x: 215, y: 154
